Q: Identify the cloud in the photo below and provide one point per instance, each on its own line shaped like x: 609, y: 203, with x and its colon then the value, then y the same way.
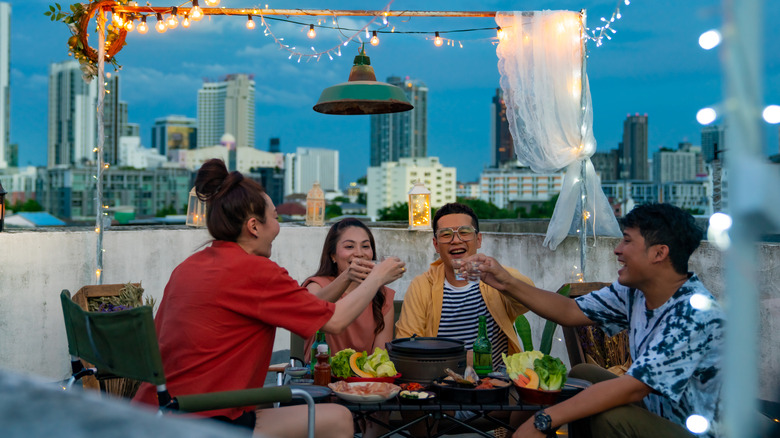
x: 29, y: 82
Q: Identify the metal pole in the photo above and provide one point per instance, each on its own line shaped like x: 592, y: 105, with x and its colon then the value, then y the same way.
x: 743, y: 89
x: 583, y: 186
x: 305, y: 12
x: 101, y: 20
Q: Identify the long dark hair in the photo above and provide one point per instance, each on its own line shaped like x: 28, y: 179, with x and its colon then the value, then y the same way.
x: 329, y: 268
x: 230, y: 199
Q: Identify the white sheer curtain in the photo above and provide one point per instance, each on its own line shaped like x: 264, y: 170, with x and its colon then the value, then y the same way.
x: 551, y: 121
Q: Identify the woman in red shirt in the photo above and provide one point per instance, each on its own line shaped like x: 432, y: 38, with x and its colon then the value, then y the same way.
x: 219, y: 313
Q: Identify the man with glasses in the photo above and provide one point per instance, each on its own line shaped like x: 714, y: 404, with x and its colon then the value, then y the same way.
x: 440, y: 304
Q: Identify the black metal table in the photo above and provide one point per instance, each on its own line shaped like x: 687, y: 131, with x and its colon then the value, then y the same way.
x: 442, y: 412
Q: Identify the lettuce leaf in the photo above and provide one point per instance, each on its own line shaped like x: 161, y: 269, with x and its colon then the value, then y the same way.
x: 518, y: 362
x: 339, y: 364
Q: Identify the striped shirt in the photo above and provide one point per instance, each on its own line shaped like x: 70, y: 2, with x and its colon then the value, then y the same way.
x: 461, y: 308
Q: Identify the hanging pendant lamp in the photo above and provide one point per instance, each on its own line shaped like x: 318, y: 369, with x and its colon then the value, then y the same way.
x: 362, y: 94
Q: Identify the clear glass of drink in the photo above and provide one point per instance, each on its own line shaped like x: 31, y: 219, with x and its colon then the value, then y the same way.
x: 458, y: 268
x: 472, y: 271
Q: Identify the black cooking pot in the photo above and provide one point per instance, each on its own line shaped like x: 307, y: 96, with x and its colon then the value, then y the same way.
x: 425, y: 359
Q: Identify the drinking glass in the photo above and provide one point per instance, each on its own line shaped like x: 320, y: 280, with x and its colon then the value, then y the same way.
x: 458, y: 268
x: 472, y: 271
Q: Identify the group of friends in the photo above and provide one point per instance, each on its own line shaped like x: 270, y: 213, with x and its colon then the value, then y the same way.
x: 221, y: 307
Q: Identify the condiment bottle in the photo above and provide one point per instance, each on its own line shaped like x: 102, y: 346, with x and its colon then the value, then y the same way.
x: 483, y: 350
x: 322, y: 368
x: 319, y: 338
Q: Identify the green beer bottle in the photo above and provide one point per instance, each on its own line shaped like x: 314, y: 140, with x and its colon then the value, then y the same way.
x: 483, y: 351
x: 319, y: 338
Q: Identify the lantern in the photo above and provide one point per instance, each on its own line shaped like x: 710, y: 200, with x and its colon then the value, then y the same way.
x: 196, y: 210
x: 315, y: 206
x: 419, y: 207
x: 2, y: 206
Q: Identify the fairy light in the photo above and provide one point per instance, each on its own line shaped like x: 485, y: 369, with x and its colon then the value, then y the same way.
x: 500, y: 34
x: 437, y: 41
x: 142, y: 26
x: 598, y: 34
x: 185, y: 22
x: 212, y: 3
x: 173, y: 21
x: 250, y: 24
x: 117, y: 19
x: 160, y: 26
x: 196, y: 13
x: 311, y: 33
x: 710, y: 39
x: 129, y: 25
x: 771, y: 114
x: 374, y: 39
x: 707, y: 115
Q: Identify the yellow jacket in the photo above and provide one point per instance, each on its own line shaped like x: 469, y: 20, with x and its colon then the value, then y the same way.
x: 421, y: 309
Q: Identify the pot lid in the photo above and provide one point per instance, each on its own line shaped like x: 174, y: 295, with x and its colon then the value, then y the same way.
x: 427, y: 346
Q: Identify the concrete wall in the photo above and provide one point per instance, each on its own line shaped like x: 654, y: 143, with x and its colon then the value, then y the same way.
x: 36, y: 265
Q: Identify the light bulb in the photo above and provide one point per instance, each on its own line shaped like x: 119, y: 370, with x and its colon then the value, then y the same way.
x: 142, y: 26
x: 172, y: 22
x: 196, y: 13
x: 437, y: 41
x: 500, y: 34
x: 250, y: 24
x: 710, y: 39
x: 129, y: 25
x: 160, y: 26
x: 374, y: 39
x: 118, y: 19
x: 705, y: 116
x: 771, y: 114
x: 311, y: 33
x: 186, y: 20
x: 212, y: 2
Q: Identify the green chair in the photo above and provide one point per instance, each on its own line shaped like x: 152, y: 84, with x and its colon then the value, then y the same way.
x: 124, y: 344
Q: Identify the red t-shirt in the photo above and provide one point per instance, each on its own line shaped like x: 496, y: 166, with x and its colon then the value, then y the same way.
x: 217, y: 321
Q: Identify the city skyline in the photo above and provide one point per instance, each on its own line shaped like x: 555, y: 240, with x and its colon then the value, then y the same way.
x: 652, y: 65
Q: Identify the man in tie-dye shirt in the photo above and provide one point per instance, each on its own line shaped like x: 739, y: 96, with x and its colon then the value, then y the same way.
x: 675, y: 335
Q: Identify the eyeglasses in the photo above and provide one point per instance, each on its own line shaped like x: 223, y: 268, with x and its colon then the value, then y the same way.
x: 465, y: 233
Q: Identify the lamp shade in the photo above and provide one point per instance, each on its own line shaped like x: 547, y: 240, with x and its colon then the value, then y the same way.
x: 419, y: 207
x: 2, y: 206
x: 362, y: 94
x: 196, y: 210
x: 315, y: 206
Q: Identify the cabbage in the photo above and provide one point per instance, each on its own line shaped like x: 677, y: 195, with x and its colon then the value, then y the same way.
x: 551, y: 371
x: 386, y: 369
x: 518, y: 362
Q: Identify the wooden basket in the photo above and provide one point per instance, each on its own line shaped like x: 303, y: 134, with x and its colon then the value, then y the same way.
x: 120, y: 387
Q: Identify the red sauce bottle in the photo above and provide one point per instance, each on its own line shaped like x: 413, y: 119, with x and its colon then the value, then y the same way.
x: 322, y: 368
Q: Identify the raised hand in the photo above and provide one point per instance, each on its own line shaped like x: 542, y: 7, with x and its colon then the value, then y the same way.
x: 358, y: 270
x: 491, y: 272
x: 390, y: 270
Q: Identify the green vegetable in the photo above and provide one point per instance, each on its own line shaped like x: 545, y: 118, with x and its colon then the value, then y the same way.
x: 551, y: 371
x: 549, y: 327
x: 339, y: 364
x: 518, y: 362
x: 523, y: 330
x: 386, y: 369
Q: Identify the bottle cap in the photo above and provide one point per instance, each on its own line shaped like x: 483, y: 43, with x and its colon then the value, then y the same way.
x: 322, y: 348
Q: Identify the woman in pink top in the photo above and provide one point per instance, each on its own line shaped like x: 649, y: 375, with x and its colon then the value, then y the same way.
x: 347, y: 259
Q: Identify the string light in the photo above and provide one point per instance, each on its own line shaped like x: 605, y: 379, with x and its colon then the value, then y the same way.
x: 311, y: 33
x: 374, y: 39
x: 160, y: 26
x: 117, y: 19
x: 212, y: 3
x: 250, y: 24
x: 186, y: 21
x: 129, y: 25
x: 437, y: 41
x: 173, y: 21
x: 500, y: 34
x: 599, y: 33
x: 196, y: 13
x: 142, y: 26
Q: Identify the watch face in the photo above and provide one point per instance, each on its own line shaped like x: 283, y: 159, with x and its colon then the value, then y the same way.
x: 542, y: 421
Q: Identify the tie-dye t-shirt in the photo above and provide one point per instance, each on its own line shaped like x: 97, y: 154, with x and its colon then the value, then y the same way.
x: 676, y: 348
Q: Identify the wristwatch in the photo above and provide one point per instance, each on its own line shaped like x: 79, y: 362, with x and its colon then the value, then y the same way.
x: 543, y: 422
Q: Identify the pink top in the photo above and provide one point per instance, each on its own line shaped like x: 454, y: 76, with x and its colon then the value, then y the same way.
x: 359, y: 335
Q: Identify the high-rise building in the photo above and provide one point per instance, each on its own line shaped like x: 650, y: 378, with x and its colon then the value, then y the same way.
x: 633, y: 150
x: 72, y: 124
x: 308, y: 165
x: 502, y: 149
x: 518, y: 186
x: 5, y: 78
x: 390, y: 182
x: 712, y: 142
x: 114, y: 119
x: 405, y: 134
x: 227, y: 106
x: 673, y: 166
x: 606, y: 164
x: 174, y: 133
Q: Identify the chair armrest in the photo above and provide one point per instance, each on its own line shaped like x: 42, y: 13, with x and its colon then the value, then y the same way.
x: 230, y: 399
x: 278, y: 367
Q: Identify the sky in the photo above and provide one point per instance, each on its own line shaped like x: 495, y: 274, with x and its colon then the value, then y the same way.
x: 653, y: 65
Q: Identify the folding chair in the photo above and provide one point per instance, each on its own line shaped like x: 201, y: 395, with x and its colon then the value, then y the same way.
x: 124, y: 344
